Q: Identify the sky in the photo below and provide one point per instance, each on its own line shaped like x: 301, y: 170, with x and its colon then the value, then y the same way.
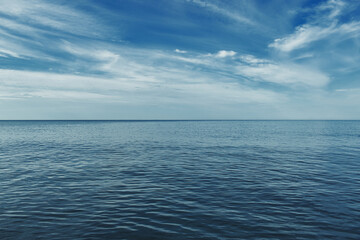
x: 179, y: 59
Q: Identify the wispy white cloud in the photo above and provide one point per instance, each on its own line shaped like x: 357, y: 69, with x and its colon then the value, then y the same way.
x: 224, y: 53
x: 73, y: 87
x: 348, y: 90
x: 104, y: 58
x: 230, y: 14
x: 194, y: 60
x: 288, y: 74
x: 306, y: 34
x: 27, y: 26
x: 250, y: 59
x: 229, y: 92
x: 9, y: 53
x: 334, y: 8
x: 324, y: 26
x: 45, y: 14
x: 180, y: 51
x: 256, y: 69
x: 303, y: 36
x: 64, y: 95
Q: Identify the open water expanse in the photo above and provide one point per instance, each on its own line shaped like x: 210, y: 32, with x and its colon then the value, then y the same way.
x: 179, y: 180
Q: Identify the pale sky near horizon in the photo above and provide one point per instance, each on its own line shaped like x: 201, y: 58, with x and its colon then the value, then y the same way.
x: 179, y: 59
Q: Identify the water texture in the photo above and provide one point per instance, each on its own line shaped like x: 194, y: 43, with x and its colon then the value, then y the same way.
x: 179, y: 179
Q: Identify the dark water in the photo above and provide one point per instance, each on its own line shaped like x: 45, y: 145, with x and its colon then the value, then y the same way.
x: 180, y: 180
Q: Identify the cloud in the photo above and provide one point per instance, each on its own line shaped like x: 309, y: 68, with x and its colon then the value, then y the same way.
x: 194, y: 60
x: 306, y: 34
x: 255, y: 69
x: 104, y: 59
x: 45, y: 80
x: 54, y: 94
x: 232, y: 15
x: 334, y: 8
x: 180, y: 51
x: 281, y: 73
x: 250, y: 59
x: 162, y: 84
x: 209, y: 59
x: 325, y: 26
x: 303, y: 36
x: 27, y: 27
x: 45, y: 14
x: 229, y: 92
x: 348, y: 90
x: 9, y: 53
x: 223, y: 54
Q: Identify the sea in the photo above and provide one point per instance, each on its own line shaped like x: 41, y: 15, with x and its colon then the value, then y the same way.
x: 179, y: 180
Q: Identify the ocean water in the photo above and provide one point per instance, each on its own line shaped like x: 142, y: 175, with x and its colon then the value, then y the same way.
x: 179, y: 180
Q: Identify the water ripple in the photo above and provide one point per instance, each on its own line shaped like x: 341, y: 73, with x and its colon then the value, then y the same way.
x: 180, y: 180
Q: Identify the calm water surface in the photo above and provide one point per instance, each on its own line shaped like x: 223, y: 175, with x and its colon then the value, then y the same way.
x: 180, y: 180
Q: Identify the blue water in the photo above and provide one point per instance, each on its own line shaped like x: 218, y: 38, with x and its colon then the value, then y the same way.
x: 179, y: 180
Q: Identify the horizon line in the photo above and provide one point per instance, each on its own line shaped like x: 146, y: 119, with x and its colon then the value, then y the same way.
x: 168, y: 120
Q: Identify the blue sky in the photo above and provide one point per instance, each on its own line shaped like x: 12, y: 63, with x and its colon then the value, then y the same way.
x: 179, y: 59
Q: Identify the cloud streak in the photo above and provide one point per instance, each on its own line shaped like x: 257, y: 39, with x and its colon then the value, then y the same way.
x: 308, y: 34
x: 324, y: 27
x: 46, y: 16
x: 263, y: 70
x: 223, y: 54
x: 24, y: 84
x: 216, y: 9
x: 26, y: 27
x: 289, y: 74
